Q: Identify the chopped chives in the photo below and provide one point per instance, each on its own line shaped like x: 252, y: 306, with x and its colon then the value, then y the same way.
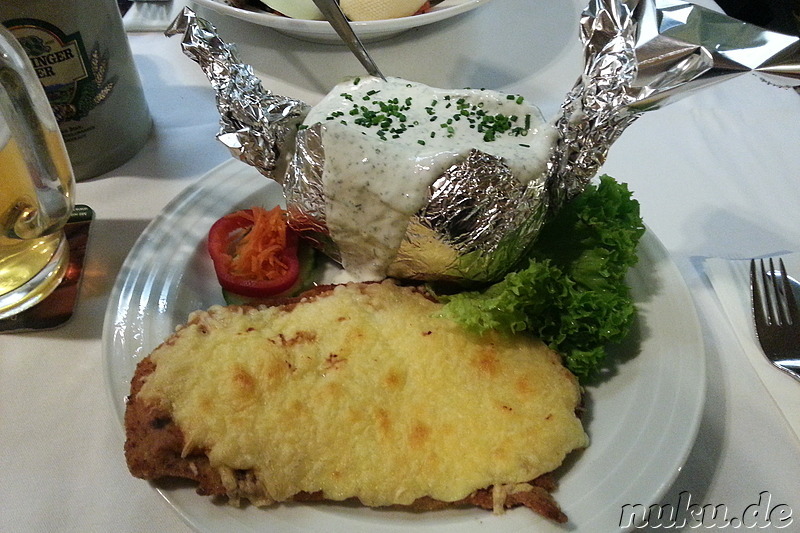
x: 390, y: 117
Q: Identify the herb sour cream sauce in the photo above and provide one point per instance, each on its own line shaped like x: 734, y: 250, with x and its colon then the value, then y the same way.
x: 386, y: 142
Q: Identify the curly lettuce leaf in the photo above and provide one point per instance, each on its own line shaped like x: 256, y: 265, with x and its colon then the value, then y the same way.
x: 572, y: 294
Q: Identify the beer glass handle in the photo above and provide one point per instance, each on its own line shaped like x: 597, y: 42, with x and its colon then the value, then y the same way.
x: 33, y: 129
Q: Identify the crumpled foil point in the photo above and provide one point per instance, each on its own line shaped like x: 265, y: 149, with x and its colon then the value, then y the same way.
x: 258, y: 127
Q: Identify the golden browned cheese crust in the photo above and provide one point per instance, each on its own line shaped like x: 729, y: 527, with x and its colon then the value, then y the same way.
x: 157, y: 446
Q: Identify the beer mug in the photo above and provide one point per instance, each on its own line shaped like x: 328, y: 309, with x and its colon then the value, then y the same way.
x: 81, y: 54
x: 36, y: 186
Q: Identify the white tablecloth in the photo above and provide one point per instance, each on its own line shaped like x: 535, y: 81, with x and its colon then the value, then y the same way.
x: 716, y: 174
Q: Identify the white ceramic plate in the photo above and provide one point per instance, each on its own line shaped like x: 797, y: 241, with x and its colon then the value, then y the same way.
x: 322, y: 32
x: 642, y: 421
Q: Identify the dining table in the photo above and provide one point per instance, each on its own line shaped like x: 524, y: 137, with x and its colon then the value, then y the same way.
x: 717, y: 177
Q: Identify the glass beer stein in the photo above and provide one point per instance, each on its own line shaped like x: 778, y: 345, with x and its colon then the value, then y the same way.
x: 36, y: 186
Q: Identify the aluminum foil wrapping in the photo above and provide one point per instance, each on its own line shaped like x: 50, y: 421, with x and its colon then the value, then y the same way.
x: 257, y: 126
x: 642, y: 55
x: 479, y: 220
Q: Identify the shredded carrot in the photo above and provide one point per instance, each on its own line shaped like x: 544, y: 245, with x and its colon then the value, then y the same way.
x: 257, y: 254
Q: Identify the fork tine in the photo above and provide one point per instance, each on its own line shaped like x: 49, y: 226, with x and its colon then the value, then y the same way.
x: 790, y: 305
x: 773, y: 290
x: 758, y: 297
x: 768, y: 286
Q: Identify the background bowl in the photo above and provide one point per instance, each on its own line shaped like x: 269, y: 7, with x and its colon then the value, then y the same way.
x: 321, y: 32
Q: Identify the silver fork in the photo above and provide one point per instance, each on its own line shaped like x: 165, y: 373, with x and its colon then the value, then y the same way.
x: 776, y: 315
x: 335, y: 17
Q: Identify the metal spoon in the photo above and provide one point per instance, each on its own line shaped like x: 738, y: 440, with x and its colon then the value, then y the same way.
x: 333, y: 13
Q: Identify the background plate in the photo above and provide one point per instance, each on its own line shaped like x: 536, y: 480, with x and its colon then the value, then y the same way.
x: 642, y: 420
x: 322, y: 32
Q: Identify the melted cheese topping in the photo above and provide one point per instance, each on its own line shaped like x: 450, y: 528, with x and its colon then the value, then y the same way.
x: 365, y: 393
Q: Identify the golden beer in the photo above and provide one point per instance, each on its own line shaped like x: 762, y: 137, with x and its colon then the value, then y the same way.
x: 23, y: 259
x: 36, y: 186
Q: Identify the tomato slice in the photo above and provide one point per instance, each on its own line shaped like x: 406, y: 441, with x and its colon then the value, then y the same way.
x: 255, y: 253
x: 424, y: 8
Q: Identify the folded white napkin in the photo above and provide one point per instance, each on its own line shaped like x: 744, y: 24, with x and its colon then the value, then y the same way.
x: 730, y: 279
x: 152, y: 16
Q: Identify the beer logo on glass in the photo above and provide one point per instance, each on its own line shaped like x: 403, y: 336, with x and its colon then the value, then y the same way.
x: 74, y: 80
